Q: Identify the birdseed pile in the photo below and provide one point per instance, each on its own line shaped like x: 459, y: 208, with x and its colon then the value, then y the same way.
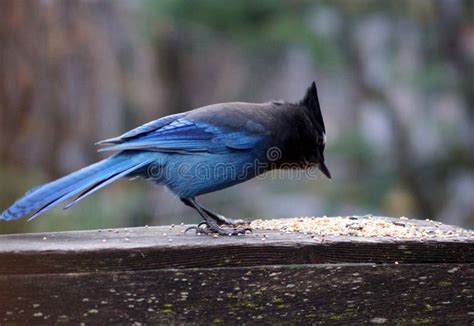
x: 363, y: 226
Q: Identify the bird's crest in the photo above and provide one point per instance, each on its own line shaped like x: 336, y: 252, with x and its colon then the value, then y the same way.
x: 311, y: 102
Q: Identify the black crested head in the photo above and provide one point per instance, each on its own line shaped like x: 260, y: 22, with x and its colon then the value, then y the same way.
x: 311, y: 102
x: 315, y: 140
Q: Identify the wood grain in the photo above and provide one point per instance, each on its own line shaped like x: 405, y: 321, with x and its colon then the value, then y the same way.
x: 158, y: 275
x: 436, y: 294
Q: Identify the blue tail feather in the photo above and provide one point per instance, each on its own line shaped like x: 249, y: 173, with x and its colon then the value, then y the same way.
x: 105, y: 183
x: 97, y: 175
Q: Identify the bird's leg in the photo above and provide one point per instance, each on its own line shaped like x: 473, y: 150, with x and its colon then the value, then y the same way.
x: 210, y: 221
x: 220, y: 219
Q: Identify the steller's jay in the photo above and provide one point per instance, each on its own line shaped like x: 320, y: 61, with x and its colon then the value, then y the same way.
x: 197, y: 152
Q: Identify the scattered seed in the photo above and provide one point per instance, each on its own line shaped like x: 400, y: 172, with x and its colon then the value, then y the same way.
x: 365, y: 226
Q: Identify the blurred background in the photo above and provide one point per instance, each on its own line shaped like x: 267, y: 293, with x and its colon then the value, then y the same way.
x: 395, y: 81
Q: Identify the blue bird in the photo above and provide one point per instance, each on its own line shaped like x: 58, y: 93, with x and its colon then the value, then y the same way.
x: 198, y: 152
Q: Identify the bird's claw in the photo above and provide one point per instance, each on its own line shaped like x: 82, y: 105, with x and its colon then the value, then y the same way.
x: 232, y: 231
x: 222, y: 220
x: 238, y: 222
x: 199, y: 228
x: 206, y: 228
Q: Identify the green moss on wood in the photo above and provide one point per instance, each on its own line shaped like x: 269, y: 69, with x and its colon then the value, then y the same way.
x: 445, y: 284
x: 421, y: 321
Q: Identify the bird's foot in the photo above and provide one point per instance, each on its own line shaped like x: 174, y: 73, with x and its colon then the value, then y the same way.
x: 199, y: 228
x: 221, y: 220
x: 206, y: 228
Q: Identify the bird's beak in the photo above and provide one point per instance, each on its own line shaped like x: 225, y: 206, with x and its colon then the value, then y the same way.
x: 324, y: 169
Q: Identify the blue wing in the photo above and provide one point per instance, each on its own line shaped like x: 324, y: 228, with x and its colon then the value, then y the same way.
x: 178, y: 134
x: 143, y: 129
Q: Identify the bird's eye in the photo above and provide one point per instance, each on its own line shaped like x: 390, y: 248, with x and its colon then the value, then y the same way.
x: 321, y: 140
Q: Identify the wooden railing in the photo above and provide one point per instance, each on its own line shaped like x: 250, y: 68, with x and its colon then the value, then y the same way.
x: 160, y: 275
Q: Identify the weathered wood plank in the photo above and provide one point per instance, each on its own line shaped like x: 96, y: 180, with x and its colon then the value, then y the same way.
x: 159, y: 275
x: 435, y: 294
x: 165, y: 247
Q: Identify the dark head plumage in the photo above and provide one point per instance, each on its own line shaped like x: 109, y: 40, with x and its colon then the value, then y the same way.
x: 310, y: 102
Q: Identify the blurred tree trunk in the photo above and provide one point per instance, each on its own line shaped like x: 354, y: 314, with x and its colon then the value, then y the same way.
x: 455, y: 27
x: 71, y: 73
x: 16, y: 72
x: 171, y: 63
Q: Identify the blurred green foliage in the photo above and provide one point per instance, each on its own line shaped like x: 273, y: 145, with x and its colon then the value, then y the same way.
x: 274, y: 23
x: 391, y: 180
